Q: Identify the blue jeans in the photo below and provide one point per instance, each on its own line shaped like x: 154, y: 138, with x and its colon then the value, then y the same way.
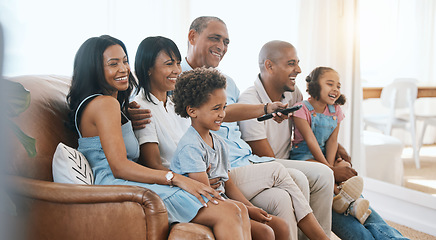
x: 348, y: 227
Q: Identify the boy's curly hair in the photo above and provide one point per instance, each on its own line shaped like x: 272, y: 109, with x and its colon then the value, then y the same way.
x: 194, y: 87
x: 313, y: 87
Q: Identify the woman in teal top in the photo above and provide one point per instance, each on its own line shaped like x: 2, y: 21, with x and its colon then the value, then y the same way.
x: 98, y: 98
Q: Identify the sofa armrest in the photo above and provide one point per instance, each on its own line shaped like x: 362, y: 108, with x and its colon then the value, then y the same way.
x: 48, y: 210
x: 190, y: 231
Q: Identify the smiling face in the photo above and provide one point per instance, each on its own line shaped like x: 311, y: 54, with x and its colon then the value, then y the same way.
x: 285, y: 69
x: 163, y: 74
x: 116, y: 68
x: 210, y: 114
x: 330, y: 87
x: 209, y: 46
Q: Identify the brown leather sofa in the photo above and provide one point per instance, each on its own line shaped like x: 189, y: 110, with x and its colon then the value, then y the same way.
x: 48, y: 210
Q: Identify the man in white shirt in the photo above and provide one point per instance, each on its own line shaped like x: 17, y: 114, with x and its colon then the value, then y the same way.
x: 278, y: 63
x: 267, y: 138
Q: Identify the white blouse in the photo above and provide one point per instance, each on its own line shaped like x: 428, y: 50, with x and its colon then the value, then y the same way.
x: 166, y: 127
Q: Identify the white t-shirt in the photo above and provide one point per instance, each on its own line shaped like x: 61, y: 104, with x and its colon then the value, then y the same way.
x: 277, y: 134
x: 166, y: 127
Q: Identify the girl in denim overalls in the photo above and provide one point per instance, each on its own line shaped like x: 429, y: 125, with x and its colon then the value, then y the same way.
x: 315, y: 139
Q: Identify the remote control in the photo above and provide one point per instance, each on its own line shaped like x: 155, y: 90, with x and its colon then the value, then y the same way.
x: 285, y: 111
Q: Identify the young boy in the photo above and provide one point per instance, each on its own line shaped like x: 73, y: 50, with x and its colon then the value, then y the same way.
x: 200, y: 94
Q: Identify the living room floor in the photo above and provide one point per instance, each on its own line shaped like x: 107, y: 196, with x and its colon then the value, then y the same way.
x: 423, y: 179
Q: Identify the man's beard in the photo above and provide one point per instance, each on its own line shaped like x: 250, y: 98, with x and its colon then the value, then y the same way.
x: 289, y: 90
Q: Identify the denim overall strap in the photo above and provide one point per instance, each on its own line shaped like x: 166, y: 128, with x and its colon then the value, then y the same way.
x: 77, y: 110
x: 308, y: 105
x: 331, y: 108
x: 323, y: 126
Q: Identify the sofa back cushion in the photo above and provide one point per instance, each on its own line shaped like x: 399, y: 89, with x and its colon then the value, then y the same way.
x: 44, y: 120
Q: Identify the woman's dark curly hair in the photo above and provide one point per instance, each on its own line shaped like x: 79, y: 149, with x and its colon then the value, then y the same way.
x: 194, y: 87
x: 89, y: 78
x: 313, y: 87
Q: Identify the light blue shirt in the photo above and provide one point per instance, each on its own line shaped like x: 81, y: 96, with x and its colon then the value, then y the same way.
x: 240, y: 153
x: 193, y: 155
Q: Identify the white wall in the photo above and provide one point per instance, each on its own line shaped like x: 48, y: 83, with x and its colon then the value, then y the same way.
x: 43, y: 36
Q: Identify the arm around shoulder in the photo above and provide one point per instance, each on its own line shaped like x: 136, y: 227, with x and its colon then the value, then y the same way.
x: 140, y: 117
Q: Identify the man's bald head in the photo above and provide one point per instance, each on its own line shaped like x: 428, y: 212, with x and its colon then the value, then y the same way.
x: 279, y: 67
x: 273, y: 51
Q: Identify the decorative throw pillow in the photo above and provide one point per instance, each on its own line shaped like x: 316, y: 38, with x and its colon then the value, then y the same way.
x: 70, y: 166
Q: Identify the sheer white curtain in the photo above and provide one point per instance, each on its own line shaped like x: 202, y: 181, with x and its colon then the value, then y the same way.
x: 399, y: 40
x: 329, y: 36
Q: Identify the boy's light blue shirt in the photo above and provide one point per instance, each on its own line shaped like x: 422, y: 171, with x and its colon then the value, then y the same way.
x: 240, y: 153
x: 194, y: 155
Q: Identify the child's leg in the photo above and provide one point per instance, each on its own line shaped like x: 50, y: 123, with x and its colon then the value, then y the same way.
x: 311, y: 228
x: 244, y: 215
x: 280, y: 227
x: 278, y: 203
x: 277, y: 228
x: 227, y: 220
x: 261, y: 231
